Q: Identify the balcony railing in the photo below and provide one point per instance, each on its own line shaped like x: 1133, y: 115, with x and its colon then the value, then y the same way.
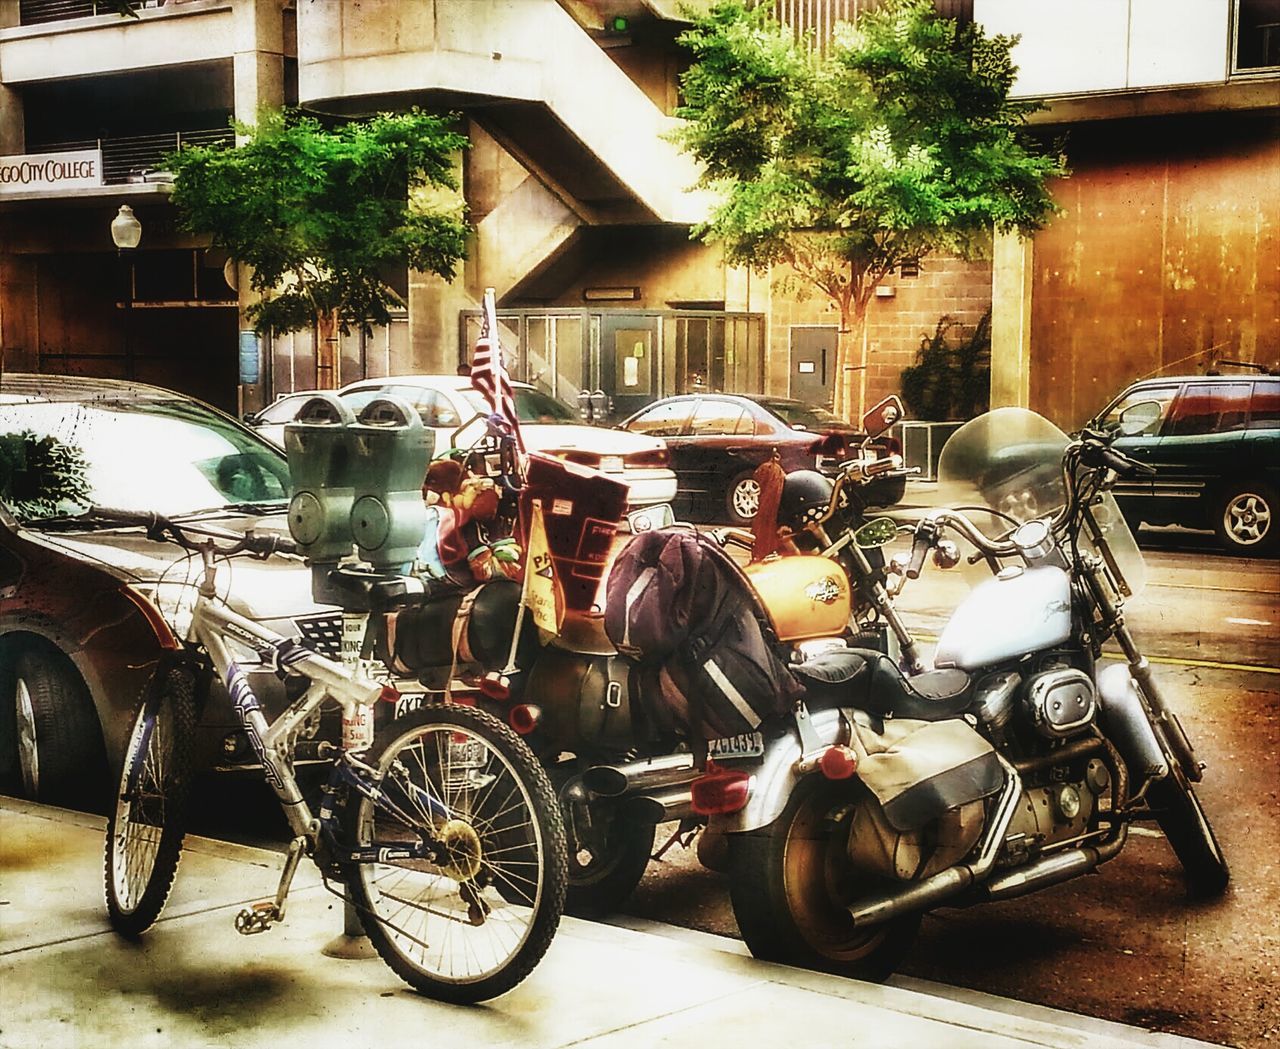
x: 133, y: 158
x: 37, y: 12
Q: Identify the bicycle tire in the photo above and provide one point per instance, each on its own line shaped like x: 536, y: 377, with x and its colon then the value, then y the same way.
x: 471, y: 928
x: 147, y: 822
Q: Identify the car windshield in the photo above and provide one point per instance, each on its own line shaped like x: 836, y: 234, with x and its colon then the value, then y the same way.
x: 170, y: 456
x: 802, y: 416
x: 532, y: 406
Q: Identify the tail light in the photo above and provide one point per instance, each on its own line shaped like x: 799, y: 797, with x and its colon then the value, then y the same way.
x: 720, y: 791
x: 838, y: 763
x: 524, y: 718
x: 590, y: 460
x: 654, y: 457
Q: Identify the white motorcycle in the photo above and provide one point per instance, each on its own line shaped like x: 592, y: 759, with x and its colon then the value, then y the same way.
x: 1018, y: 762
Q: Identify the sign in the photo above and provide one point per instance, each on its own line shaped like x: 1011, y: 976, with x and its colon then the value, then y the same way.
x: 50, y: 172
x: 250, y: 358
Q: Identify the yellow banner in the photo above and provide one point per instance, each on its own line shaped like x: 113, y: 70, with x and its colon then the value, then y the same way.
x: 542, y: 594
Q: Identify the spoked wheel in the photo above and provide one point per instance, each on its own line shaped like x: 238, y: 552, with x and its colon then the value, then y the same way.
x: 472, y: 921
x: 146, y: 826
x: 606, y: 861
x: 1180, y: 815
x: 791, y: 884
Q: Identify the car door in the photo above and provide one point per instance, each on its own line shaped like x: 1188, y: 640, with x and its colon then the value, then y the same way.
x: 1135, y: 493
x: 720, y: 446
x: 668, y: 420
x: 1201, y: 442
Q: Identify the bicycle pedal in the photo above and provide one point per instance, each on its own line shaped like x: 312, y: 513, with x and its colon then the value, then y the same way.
x: 258, y: 917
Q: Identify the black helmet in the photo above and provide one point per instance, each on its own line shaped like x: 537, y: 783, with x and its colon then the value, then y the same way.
x: 806, y: 494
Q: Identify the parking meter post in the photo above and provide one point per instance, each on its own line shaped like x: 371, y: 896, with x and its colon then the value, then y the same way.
x: 352, y: 942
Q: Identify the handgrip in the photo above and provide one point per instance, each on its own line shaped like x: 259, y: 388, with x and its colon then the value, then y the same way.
x: 918, y: 549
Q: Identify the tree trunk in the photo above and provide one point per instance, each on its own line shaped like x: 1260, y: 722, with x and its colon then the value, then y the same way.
x: 851, y: 361
x: 327, y: 350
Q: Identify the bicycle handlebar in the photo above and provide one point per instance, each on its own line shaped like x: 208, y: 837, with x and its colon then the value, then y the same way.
x: 158, y: 526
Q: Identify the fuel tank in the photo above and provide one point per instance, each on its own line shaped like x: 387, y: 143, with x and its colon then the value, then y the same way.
x: 1019, y: 611
x: 806, y: 596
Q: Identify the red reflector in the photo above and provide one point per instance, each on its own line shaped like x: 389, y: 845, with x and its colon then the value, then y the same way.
x: 388, y: 694
x: 495, y: 685
x: 838, y: 763
x: 524, y: 718
x: 720, y: 791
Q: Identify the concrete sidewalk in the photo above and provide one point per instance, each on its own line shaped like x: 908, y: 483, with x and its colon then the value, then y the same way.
x: 67, y: 981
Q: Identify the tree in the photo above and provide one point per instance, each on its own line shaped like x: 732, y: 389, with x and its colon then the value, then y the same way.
x: 320, y: 215
x: 946, y: 383
x: 899, y: 141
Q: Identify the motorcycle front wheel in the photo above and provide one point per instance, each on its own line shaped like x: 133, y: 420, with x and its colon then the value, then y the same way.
x: 1181, y: 816
x: 791, y: 884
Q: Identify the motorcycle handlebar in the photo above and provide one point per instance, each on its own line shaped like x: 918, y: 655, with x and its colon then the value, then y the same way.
x: 919, y: 547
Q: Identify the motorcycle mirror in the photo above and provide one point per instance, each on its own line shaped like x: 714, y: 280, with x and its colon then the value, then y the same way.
x: 874, y: 534
x: 1139, y: 417
x: 882, y: 416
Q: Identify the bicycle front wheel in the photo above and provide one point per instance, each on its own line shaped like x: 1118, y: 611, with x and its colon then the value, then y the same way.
x: 148, y: 821
x: 472, y: 920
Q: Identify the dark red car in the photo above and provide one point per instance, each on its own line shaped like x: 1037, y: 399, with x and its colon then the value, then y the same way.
x: 717, y: 440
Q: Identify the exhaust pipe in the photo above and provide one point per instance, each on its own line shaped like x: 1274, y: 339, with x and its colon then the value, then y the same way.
x: 640, y: 777
x: 662, y: 806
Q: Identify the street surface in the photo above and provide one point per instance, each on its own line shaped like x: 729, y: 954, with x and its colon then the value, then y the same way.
x: 1125, y: 944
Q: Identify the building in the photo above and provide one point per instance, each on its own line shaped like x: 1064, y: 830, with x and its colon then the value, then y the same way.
x: 1167, y: 245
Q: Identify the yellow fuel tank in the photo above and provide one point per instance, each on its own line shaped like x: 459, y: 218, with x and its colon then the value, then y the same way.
x: 806, y: 596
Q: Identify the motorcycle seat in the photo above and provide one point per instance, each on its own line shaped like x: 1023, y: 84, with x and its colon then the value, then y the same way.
x: 826, y: 677
x: 935, y: 695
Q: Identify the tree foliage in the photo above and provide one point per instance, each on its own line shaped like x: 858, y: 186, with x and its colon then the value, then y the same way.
x: 950, y: 382
x: 321, y: 214
x: 898, y: 141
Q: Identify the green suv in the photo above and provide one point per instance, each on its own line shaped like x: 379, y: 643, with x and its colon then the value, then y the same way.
x: 1215, y: 446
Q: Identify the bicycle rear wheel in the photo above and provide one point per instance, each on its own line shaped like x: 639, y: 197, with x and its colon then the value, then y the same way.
x: 147, y: 824
x: 473, y: 921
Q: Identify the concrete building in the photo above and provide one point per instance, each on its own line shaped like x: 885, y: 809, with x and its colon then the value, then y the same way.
x: 1167, y: 245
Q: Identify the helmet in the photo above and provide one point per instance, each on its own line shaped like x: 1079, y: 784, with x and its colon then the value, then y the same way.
x: 806, y: 494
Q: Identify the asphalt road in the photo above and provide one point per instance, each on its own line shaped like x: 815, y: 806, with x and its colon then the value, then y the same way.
x: 1125, y: 944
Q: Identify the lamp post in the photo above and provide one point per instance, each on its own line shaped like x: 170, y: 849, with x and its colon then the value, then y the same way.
x: 126, y: 231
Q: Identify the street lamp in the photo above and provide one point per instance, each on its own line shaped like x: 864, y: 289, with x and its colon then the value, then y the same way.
x: 126, y: 231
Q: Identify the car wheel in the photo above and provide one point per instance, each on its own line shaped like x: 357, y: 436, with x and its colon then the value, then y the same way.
x: 57, y: 740
x: 1246, y: 519
x: 743, y: 500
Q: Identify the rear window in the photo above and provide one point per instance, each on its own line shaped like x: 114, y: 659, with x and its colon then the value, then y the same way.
x: 1264, y: 409
x: 1206, y: 408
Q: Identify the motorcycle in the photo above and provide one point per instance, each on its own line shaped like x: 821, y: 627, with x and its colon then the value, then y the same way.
x: 580, y: 704
x: 1020, y: 761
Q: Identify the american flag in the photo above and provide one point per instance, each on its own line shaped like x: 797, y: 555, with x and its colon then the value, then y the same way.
x: 489, y: 374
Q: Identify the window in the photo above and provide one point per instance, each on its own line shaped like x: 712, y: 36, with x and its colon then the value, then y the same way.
x: 662, y: 420
x: 1257, y: 35
x: 1162, y: 395
x: 715, y: 417
x: 284, y: 410
x: 1264, y: 408
x: 1207, y: 408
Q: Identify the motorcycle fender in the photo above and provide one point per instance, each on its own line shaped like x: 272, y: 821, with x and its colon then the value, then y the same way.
x: 1125, y: 722
x: 774, y: 776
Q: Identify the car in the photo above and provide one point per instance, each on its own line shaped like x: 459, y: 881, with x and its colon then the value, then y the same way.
x: 270, y: 422
x: 446, y: 402
x: 717, y: 440
x: 88, y: 610
x: 1215, y: 446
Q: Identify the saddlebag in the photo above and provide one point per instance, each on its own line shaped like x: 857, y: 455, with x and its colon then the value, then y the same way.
x: 678, y: 605
x: 919, y: 770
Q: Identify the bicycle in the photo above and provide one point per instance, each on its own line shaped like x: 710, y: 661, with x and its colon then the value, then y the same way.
x: 444, y: 833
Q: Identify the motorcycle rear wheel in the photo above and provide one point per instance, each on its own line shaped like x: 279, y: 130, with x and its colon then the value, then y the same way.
x: 791, y: 883
x: 1181, y: 816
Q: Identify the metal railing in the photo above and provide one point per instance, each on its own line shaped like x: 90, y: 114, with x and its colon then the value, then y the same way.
x: 134, y: 158
x: 38, y: 12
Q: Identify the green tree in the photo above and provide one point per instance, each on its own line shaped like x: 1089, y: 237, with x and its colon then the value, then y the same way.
x: 320, y: 214
x: 898, y: 141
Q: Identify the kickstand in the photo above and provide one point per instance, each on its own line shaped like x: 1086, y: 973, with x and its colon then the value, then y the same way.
x: 684, y: 835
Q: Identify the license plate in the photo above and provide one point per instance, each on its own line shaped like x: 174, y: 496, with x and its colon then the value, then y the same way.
x: 408, y: 703
x: 611, y: 464
x: 743, y: 745
x: 468, y: 754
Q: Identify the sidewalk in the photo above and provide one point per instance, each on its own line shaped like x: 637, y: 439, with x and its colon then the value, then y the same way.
x: 67, y: 981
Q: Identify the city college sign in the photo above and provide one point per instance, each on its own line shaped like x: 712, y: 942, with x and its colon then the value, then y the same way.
x: 50, y: 172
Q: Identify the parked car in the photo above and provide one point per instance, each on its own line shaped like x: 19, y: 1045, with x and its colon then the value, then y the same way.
x: 717, y: 440
x: 445, y: 402
x: 270, y: 422
x: 1215, y: 446
x: 86, y: 609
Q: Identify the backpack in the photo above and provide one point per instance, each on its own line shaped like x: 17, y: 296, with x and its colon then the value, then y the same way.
x: 680, y: 607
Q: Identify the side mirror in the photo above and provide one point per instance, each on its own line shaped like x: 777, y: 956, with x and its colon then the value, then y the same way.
x: 882, y: 416
x: 470, y: 433
x: 875, y: 534
x: 1139, y: 417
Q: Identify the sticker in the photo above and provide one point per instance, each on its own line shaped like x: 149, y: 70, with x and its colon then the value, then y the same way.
x: 562, y: 506
x: 807, y: 368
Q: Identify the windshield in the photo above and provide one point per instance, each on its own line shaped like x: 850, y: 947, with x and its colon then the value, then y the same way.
x: 173, y: 457
x: 1010, y: 460
x: 532, y: 406
x: 793, y: 413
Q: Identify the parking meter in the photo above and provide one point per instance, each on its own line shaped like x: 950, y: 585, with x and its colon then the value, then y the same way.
x: 390, y: 450
x: 320, y: 467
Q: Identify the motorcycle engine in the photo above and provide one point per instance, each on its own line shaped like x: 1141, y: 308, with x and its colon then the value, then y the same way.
x: 1060, y: 701
x: 1055, y: 812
